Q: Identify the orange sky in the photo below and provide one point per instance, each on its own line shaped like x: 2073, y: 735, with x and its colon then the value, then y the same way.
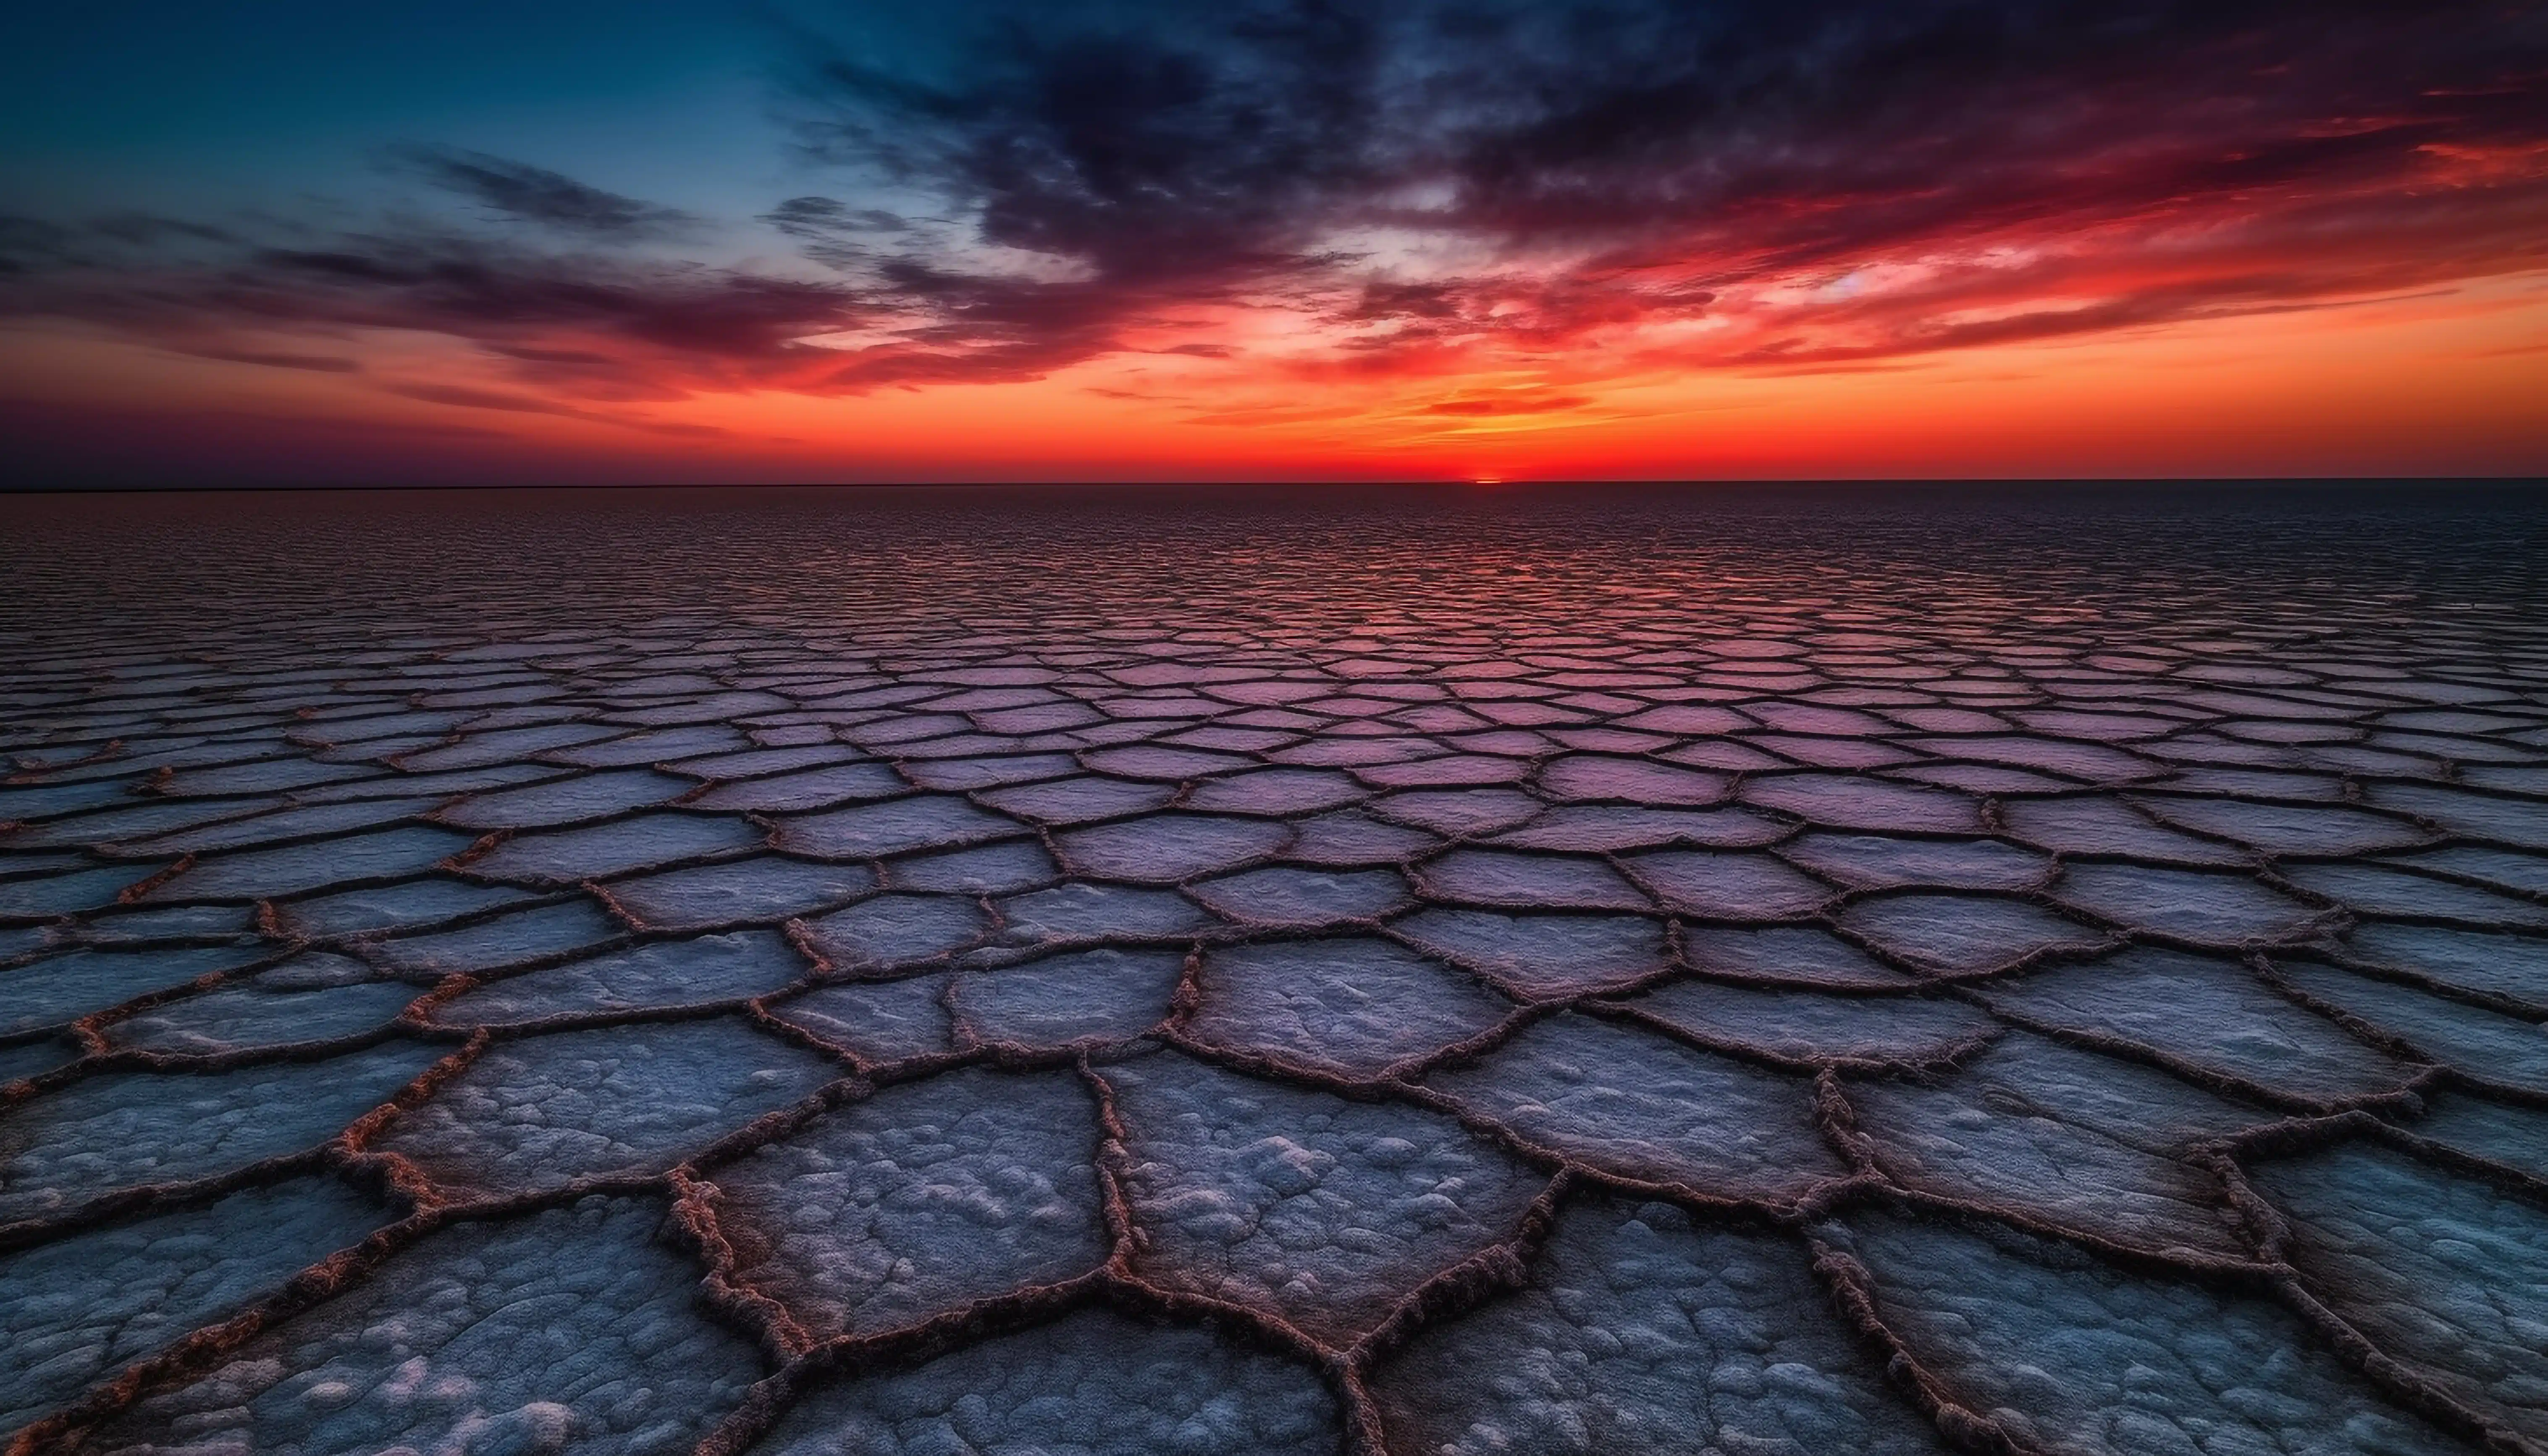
x: 2454, y: 382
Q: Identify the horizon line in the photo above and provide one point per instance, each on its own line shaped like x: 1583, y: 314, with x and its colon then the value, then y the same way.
x: 1420, y: 483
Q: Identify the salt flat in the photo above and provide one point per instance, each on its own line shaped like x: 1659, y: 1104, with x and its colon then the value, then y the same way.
x: 1120, y: 972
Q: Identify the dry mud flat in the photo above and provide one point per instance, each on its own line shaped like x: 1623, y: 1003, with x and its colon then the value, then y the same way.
x: 877, y: 977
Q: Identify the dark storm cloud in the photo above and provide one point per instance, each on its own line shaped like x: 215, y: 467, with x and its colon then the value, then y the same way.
x: 1176, y: 141
x: 529, y: 194
x: 1204, y: 153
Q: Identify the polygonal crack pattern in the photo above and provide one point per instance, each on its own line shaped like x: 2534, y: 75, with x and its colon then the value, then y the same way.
x: 567, y: 1330
x: 1202, y: 984
x: 1646, y: 1333
x: 918, y: 1201
x: 1308, y: 1208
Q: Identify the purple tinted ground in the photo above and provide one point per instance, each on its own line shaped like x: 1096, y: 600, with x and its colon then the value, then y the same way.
x: 1539, y: 972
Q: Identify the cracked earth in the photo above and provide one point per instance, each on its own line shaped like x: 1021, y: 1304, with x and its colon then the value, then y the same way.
x: 866, y: 975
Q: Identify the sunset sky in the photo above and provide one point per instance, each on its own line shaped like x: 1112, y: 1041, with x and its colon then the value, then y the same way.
x: 990, y: 239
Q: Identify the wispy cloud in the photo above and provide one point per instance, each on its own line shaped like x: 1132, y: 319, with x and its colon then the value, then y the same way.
x: 524, y: 193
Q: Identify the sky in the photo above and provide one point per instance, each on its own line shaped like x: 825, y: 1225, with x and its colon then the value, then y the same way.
x: 1435, y: 240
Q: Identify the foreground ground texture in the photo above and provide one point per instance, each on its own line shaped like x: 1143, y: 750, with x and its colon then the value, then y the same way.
x: 1531, y: 974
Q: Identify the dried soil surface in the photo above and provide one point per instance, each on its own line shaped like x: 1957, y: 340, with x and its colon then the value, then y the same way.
x: 1121, y: 973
